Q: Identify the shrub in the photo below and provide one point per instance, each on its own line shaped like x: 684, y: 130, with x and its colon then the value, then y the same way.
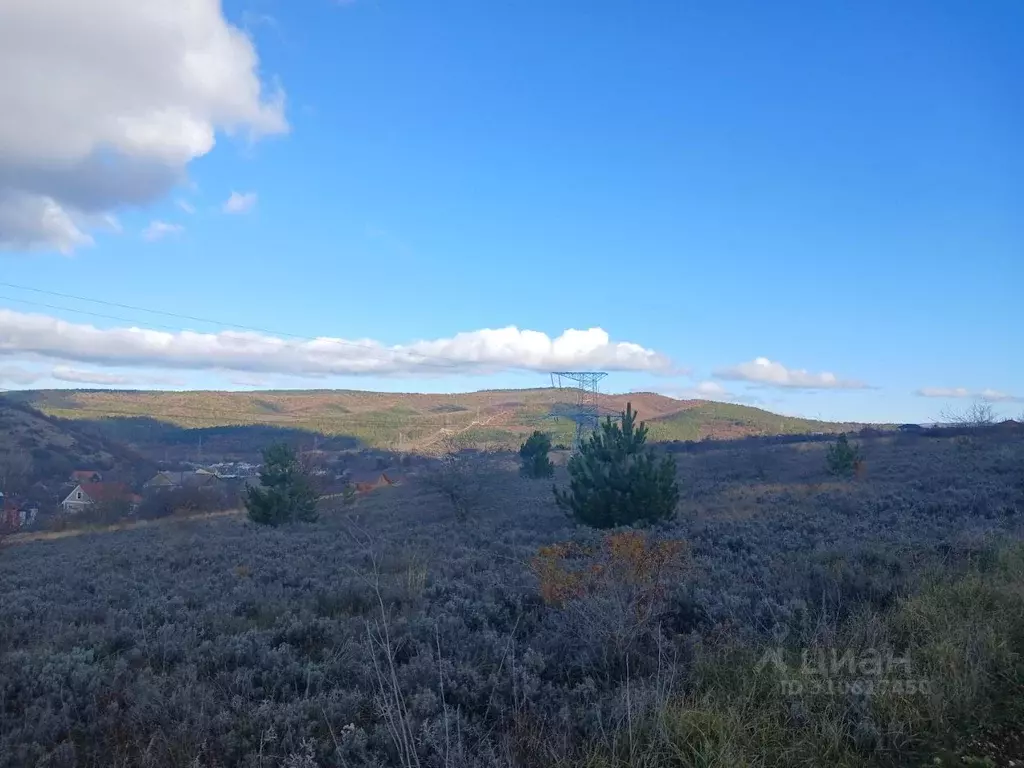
x: 534, y: 456
x: 286, y: 493
x: 977, y: 415
x: 166, y: 502
x: 614, y: 593
x: 455, y: 479
x: 843, y: 458
x: 104, y: 513
x: 615, y: 481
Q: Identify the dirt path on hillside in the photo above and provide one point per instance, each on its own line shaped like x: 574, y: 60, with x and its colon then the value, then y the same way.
x: 501, y: 417
x: 24, y: 538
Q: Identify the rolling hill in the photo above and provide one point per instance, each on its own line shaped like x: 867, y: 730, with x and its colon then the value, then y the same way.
x: 36, y: 447
x: 400, y: 421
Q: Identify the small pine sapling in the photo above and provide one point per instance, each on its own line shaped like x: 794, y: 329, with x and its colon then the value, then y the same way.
x: 286, y: 493
x: 534, y: 456
x: 843, y: 458
x: 616, y: 480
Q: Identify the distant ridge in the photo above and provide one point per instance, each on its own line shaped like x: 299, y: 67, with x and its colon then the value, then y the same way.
x: 404, y: 421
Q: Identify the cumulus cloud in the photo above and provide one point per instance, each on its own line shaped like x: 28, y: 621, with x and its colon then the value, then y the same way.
x: 105, y: 103
x: 772, y: 374
x: 476, y: 352
x: 26, y: 220
x: 239, y: 202
x: 988, y: 395
x: 157, y: 230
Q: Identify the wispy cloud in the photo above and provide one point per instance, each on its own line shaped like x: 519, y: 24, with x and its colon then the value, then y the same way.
x: 988, y: 395
x: 474, y: 352
x: 79, y: 376
x: 239, y: 202
x: 158, y: 230
x: 186, y: 206
x: 76, y: 376
x: 773, y: 374
x: 709, y: 390
x: 12, y: 374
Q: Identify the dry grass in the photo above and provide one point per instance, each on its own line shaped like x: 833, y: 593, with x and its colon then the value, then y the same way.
x: 962, y: 636
x: 127, y: 525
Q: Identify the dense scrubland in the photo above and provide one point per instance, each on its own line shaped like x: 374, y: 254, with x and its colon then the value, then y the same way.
x: 395, y: 632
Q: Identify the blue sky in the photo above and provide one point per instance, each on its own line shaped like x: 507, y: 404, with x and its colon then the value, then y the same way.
x: 816, y: 209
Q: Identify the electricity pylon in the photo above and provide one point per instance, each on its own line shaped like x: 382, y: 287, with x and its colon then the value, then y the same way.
x: 585, y: 412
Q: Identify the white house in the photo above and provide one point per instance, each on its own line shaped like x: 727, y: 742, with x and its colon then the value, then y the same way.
x: 86, y: 495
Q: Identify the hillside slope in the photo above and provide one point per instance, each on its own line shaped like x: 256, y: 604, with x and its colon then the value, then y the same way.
x: 398, y: 420
x: 36, y: 447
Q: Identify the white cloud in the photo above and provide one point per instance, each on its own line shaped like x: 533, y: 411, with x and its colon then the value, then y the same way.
x: 29, y: 220
x: 995, y: 396
x: 943, y: 392
x: 772, y: 374
x: 704, y: 390
x: 12, y: 374
x: 476, y: 352
x: 239, y: 202
x: 76, y: 376
x: 157, y: 230
x: 79, y: 376
x: 709, y: 390
x: 106, y: 102
x: 187, y: 207
x: 988, y: 395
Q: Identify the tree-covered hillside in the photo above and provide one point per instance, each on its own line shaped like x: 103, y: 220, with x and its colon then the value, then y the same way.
x: 403, y: 421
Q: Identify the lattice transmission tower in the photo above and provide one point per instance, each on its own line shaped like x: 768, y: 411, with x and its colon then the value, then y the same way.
x: 586, y: 411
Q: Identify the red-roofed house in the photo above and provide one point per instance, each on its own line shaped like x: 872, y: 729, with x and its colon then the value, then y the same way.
x: 86, y: 495
x: 85, y: 476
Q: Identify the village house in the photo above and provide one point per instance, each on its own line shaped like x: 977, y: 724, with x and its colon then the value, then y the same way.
x: 199, y: 478
x: 85, y: 476
x: 87, y: 495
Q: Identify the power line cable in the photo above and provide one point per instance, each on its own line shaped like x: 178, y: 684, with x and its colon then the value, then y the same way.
x: 449, y: 362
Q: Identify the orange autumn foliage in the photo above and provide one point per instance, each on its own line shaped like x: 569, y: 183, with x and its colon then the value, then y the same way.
x: 626, y: 561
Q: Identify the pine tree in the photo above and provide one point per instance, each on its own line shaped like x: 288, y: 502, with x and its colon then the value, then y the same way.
x: 843, y: 458
x: 534, y: 456
x: 286, y: 493
x: 616, y: 481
